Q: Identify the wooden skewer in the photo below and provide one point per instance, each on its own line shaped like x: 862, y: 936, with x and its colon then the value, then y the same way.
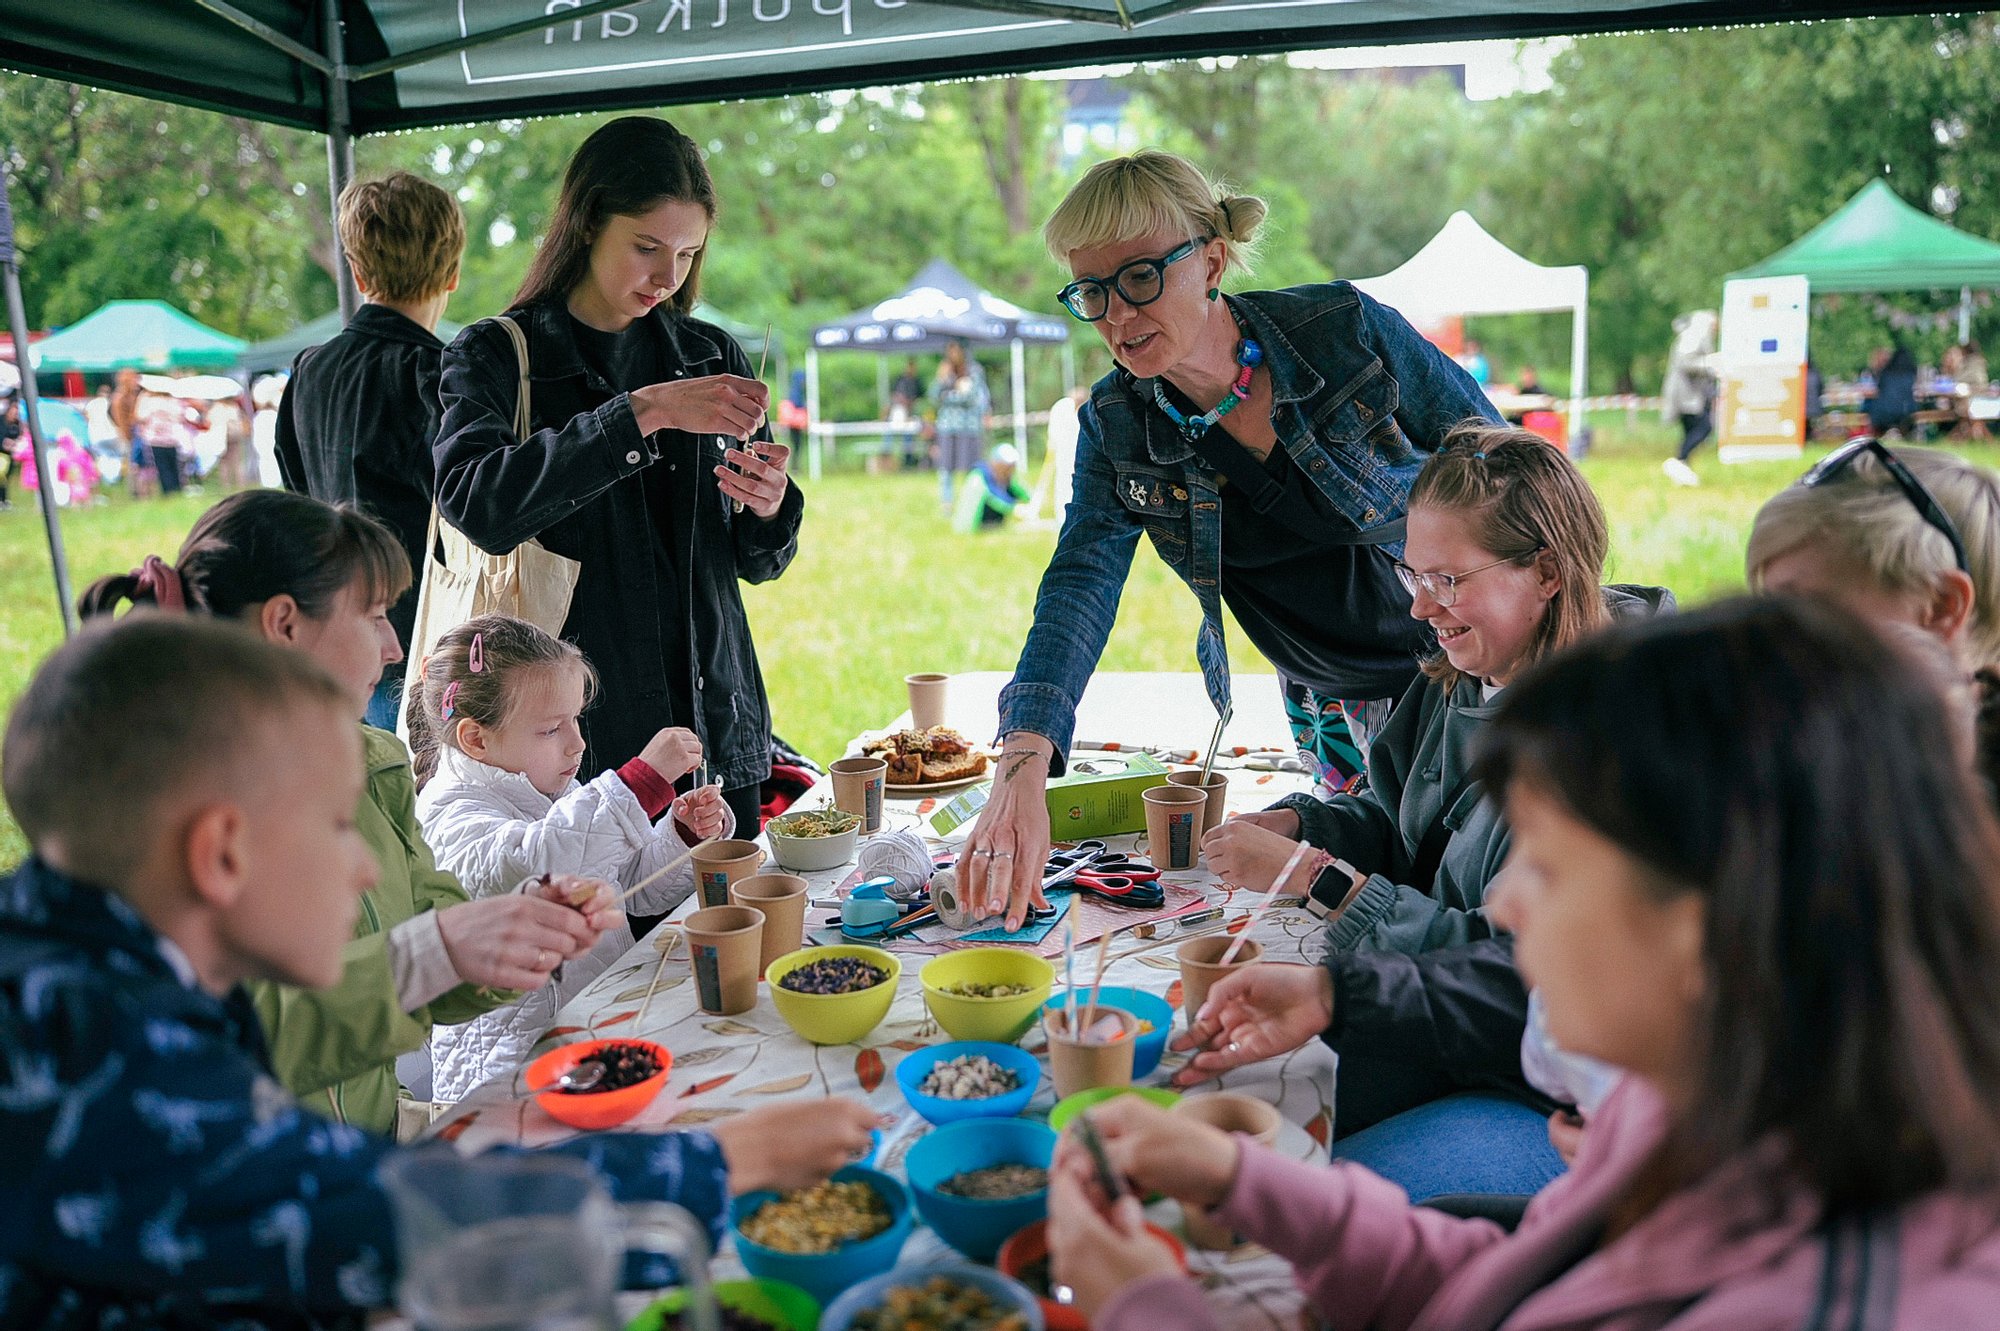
x: 658, y: 971
x: 658, y: 874
x: 1257, y: 911
x: 1097, y: 980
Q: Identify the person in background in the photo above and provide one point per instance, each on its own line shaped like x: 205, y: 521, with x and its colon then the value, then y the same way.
x: 139, y: 474
x: 1966, y: 365
x: 1894, y: 404
x: 1687, y: 394
x: 959, y: 395
x: 1529, y: 383
x: 991, y: 492
x: 12, y: 436
x: 906, y: 390
x: 166, y: 424
x: 359, y: 414
x: 188, y: 793
x: 1808, y: 1129
x: 1065, y: 425
x: 792, y: 416
x: 107, y: 448
x: 1473, y: 361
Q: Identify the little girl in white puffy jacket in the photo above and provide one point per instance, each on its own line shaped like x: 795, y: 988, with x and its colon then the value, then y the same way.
x: 495, y: 736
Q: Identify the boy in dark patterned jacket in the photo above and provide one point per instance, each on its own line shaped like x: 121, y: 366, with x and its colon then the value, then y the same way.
x: 189, y: 793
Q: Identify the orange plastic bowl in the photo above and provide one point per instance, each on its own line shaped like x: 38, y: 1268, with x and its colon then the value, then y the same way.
x: 1031, y: 1245
x: 591, y: 1110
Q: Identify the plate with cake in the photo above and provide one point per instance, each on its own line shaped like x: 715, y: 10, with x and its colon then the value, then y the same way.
x: 928, y: 762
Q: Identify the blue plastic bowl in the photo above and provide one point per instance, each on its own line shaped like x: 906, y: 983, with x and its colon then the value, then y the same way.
x: 978, y: 1228
x: 910, y: 1074
x: 1146, y: 1007
x: 825, y: 1274
x: 1006, y: 1291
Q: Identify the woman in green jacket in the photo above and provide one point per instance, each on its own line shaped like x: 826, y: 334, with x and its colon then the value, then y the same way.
x: 1505, y: 554
x: 319, y: 578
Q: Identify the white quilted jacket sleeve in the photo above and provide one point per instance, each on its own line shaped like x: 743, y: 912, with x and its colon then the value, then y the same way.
x: 596, y: 830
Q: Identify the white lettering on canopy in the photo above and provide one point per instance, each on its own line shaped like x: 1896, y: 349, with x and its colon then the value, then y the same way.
x: 921, y: 303
x: 625, y: 22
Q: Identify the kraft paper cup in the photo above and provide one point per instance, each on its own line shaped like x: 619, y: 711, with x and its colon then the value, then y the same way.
x: 857, y: 788
x: 1201, y: 967
x: 781, y: 899
x: 1173, y: 825
x: 717, y: 864
x: 926, y: 700
x: 1217, y: 790
x: 724, y: 943
x: 1232, y: 1113
x: 1075, y: 1066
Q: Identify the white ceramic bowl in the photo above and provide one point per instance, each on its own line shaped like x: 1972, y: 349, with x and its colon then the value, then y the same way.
x: 812, y: 853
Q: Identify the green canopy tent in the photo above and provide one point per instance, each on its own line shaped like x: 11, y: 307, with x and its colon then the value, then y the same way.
x: 1877, y: 242
x: 137, y: 335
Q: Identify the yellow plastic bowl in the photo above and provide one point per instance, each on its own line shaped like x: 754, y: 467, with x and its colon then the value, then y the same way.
x: 834, y: 1018
x: 1002, y: 1019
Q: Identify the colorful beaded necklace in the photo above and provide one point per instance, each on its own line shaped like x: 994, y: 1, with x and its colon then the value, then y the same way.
x: 1248, y: 355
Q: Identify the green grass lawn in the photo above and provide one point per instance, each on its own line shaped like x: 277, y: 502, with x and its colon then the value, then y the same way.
x: 882, y: 587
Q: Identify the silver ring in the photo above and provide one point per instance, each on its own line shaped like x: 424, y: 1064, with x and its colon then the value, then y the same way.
x: 987, y: 853
x: 1232, y: 1046
x: 540, y: 963
x: 1001, y: 854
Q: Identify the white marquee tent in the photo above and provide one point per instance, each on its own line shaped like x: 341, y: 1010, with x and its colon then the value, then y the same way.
x: 1463, y: 270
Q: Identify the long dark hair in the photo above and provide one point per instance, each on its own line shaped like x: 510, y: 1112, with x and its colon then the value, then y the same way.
x: 257, y: 544
x: 1781, y: 760
x: 627, y: 167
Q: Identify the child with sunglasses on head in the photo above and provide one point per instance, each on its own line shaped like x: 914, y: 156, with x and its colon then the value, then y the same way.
x: 494, y: 729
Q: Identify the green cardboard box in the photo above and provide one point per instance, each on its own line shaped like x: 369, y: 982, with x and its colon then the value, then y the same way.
x: 1099, y: 796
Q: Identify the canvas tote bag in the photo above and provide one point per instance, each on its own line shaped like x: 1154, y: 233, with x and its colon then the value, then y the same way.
x: 529, y: 582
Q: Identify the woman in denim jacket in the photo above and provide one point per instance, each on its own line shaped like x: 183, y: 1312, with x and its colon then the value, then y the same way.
x: 1265, y: 443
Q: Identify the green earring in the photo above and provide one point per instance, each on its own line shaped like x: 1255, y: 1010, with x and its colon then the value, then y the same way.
x: 1213, y: 292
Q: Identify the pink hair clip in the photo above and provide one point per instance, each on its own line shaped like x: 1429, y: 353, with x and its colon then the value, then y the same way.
x: 450, y: 697
x: 477, y: 657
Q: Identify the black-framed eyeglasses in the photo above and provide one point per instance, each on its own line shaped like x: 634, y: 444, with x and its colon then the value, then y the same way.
x: 1139, y: 282
x: 1443, y: 587
x: 1906, y: 480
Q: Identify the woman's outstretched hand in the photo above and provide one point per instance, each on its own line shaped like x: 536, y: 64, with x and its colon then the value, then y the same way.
x: 1001, y: 866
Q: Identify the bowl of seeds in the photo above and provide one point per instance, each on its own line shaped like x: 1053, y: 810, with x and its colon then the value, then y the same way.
x: 986, y: 993
x: 827, y: 1237
x: 814, y: 839
x: 978, y: 1181
x: 935, y: 1296
x: 834, y: 995
x: 608, y: 1081
x: 969, y: 1079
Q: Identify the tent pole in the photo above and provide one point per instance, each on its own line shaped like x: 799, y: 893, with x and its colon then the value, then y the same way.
x: 813, y: 422
x: 339, y: 153
x: 1069, y: 367
x: 45, y: 479
x: 1964, y: 315
x: 1579, y: 366
x: 1020, y: 385
x: 882, y: 387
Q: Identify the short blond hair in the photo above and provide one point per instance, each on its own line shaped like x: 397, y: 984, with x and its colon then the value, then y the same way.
x: 1861, y: 517
x: 403, y: 236
x: 1129, y: 197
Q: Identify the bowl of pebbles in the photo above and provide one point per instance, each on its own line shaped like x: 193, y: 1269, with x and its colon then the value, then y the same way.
x: 826, y: 1237
x: 986, y: 993
x: 978, y: 1181
x: 969, y: 1079
x: 596, y: 1084
x: 834, y: 995
x: 936, y: 1296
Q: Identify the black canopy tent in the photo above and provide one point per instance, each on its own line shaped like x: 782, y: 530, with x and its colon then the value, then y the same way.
x: 940, y: 306
x: 349, y: 67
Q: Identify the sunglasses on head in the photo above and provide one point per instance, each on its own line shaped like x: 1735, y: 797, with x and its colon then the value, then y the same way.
x: 1906, y: 480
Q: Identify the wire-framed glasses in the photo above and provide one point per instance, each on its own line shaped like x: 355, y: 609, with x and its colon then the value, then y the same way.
x: 1443, y: 587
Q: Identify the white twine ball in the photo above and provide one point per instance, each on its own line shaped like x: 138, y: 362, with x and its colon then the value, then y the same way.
x: 899, y: 855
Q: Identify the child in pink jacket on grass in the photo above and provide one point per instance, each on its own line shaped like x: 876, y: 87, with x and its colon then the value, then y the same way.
x: 1752, y: 865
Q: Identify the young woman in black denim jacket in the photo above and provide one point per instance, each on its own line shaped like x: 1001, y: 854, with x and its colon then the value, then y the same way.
x: 650, y: 463
x: 1316, y: 404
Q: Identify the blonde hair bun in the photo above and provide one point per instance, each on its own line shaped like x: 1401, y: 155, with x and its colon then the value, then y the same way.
x: 1242, y: 215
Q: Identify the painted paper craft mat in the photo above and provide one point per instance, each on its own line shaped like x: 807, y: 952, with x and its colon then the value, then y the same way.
x: 1094, y: 919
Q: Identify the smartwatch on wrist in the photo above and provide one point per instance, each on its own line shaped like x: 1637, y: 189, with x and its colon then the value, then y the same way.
x: 1333, y: 888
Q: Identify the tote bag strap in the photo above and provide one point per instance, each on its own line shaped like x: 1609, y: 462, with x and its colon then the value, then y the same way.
x: 523, y: 423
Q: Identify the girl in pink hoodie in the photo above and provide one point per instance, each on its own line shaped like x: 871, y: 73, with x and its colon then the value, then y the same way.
x: 1752, y: 865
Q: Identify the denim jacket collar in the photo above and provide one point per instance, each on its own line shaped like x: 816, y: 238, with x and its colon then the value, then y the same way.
x: 557, y: 355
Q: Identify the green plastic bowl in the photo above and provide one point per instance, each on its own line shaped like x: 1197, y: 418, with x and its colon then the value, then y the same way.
x: 1003, y: 1020
x: 786, y: 1307
x: 1070, y: 1106
x: 834, y: 1018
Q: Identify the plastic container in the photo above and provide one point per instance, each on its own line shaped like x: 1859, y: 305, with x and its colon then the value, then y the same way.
x: 591, y: 1110
x: 1009, y: 1293
x: 1031, y: 1245
x: 786, y: 1307
x: 834, y: 1018
x: 1000, y: 1019
x: 825, y: 1274
x: 910, y: 1074
x: 1068, y: 1108
x: 1151, y: 1008
x: 976, y: 1227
